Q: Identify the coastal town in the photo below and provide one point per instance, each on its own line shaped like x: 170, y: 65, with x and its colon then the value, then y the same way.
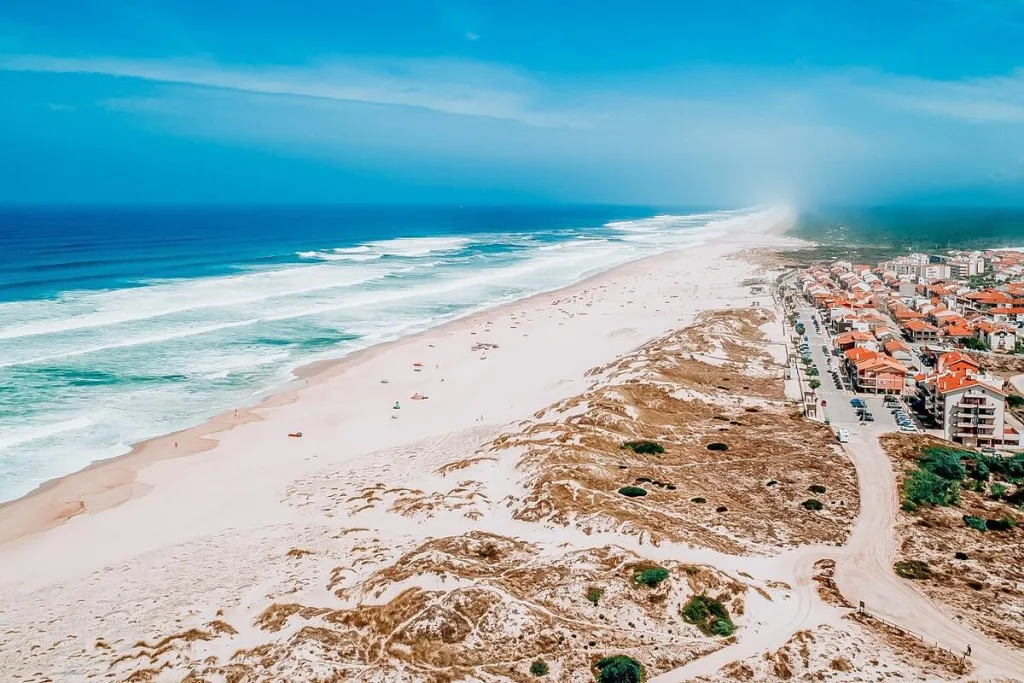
x: 940, y: 336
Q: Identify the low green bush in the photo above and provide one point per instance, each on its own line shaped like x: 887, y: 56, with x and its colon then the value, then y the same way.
x: 633, y: 491
x: 816, y: 488
x: 812, y: 504
x: 721, y: 508
x: 709, y: 615
x: 698, y: 500
x: 814, y: 384
x: 912, y: 569
x: 594, y: 595
x: 650, y: 577
x: 1004, y: 524
x: 974, y: 522
x: 717, y: 446
x: 923, y: 487
x: 619, y: 669
x: 644, y: 447
x: 960, y: 555
x: 997, y: 491
x: 539, y: 667
x: 945, y: 462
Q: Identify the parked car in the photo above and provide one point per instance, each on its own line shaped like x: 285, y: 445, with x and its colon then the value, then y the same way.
x: 843, y: 436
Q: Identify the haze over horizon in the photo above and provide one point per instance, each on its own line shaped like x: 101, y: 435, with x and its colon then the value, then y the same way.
x: 461, y: 101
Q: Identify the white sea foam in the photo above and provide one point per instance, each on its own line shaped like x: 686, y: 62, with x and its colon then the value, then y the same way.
x: 214, y: 342
x: 16, y: 437
x: 419, y: 246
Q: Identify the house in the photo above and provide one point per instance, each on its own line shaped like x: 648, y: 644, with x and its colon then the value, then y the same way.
x: 874, y: 372
x: 998, y: 337
x: 880, y: 375
x: 921, y: 332
x: 958, y: 332
x: 899, y: 350
x: 850, y: 340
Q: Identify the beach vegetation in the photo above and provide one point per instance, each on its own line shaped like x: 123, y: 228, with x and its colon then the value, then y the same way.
x: 812, y: 504
x: 539, y: 667
x: 945, y: 462
x: 594, y: 594
x: 619, y: 669
x: 709, y: 615
x: 644, y: 447
x: 1004, y: 524
x: 912, y: 569
x: 973, y: 522
x: 922, y: 487
x: 650, y: 576
x: 633, y: 491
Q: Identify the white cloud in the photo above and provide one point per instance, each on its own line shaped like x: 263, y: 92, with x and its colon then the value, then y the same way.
x: 996, y: 99
x: 449, y: 86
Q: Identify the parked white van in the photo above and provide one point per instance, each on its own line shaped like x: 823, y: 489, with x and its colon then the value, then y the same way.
x: 843, y: 436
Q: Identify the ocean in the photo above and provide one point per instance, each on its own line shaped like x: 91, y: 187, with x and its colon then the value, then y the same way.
x: 120, y: 324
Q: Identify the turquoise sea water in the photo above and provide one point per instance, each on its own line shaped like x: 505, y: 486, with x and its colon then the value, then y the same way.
x: 117, y: 325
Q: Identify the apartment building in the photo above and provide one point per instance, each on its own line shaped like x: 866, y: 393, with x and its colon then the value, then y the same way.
x: 969, y: 406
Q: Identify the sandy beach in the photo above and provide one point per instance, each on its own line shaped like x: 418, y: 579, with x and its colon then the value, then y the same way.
x: 454, y: 473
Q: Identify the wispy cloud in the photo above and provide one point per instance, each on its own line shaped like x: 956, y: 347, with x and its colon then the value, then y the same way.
x: 997, y: 99
x: 449, y: 86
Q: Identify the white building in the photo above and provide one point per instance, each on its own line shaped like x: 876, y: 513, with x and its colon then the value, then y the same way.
x: 969, y: 406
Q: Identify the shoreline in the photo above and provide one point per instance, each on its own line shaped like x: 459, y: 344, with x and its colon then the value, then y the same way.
x: 111, y: 482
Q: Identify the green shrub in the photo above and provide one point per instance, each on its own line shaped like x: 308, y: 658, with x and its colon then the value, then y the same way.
x: 539, y: 667
x: 594, y: 594
x: 816, y: 488
x: 1015, y: 400
x: 922, y: 487
x: 981, y: 471
x: 812, y: 504
x: 912, y: 569
x: 644, y: 447
x: 650, y: 577
x: 633, y: 491
x: 814, y: 384
x: 619, y: 669
x: 709, y: 615
x: 717, y: 446
x: 997, y: 491
x: 944, y: 462
x: 698, y: 500
x: 1004, y: 524
x: 974, y: 522
x: 813, y: 372
x: 960, y: 555
x: 721, y: 508
x: 722, y: 628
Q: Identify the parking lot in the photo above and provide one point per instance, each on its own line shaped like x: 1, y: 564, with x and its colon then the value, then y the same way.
x: 835, y: 400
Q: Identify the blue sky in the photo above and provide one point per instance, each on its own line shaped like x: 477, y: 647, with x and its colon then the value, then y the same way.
x: 470, y: 101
